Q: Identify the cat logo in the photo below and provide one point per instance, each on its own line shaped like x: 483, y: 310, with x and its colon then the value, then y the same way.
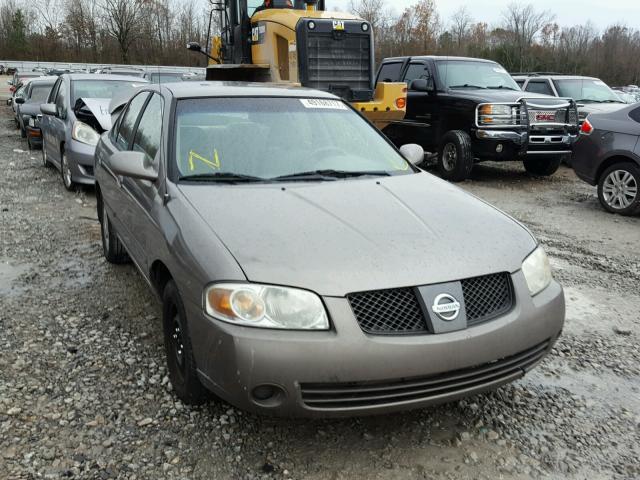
x: 338, y: 25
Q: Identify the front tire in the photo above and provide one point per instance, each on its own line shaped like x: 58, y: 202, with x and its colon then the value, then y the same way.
x: 455, y: 156
x: 114, y: 251
x: 542, y: 166
x: 181, y: 364
x: 618, y: 189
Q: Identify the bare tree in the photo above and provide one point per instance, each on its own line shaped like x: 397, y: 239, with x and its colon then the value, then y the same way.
x: 460, y: 25
x: 371, y: 10
x: 524, y: 23
x: 122, y: 21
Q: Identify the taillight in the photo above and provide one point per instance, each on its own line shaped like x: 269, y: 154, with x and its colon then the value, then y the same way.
x: 401, y: 103
x: 586, y: 128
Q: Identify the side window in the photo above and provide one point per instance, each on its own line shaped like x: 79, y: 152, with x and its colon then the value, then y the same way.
x: 520, y: 83
x: 61, y: 99
x: 390, y: 72
x: 147, y: 138
x: 417, y: 71
x: 54, y: 91
x: 128, y: 122
x: 635, y: 114
x: 539, y: 86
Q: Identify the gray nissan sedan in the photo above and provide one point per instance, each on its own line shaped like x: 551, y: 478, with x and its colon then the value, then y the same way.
x: 305, y: 266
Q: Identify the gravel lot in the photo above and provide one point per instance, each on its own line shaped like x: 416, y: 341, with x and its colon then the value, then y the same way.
x: 84, y: 392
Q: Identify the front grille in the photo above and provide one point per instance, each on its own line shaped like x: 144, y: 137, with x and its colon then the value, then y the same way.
x: 398, y: 311
x: 487, y: 297
x: 339, y: 61
x: 550, y: 116
x: 388, y: 311
x: 335, y: 396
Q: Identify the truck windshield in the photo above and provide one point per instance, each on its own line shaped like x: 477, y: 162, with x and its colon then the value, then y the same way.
x: 589, y: 90
x: 471, y: 74
x: 270, y: 139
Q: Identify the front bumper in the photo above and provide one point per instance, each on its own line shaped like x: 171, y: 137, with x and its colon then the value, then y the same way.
x: 234, y: 360
x: 514, y: 143
x: 81, y: 161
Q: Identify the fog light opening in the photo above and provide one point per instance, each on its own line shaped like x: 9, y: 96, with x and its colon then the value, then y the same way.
x: 268, y: 395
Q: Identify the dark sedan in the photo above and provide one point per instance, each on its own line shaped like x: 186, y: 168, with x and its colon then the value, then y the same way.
x: 607, y: 154
x: 28, y: 109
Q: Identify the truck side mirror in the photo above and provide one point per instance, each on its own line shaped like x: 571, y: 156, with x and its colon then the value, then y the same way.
x: 194, y: 47
x: 422, y: 85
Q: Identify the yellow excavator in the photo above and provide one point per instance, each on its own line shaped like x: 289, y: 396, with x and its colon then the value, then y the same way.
x: 298, y: 42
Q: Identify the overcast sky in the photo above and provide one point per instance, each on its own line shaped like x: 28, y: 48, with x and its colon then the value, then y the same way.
x: 568, y: 12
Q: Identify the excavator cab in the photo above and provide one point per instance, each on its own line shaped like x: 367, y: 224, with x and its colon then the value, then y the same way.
x: 298, y: 42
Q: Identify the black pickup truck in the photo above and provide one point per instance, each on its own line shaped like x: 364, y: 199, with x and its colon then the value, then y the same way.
x: 470, y: 110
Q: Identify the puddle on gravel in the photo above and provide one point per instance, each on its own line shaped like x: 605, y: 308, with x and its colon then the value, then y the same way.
x: 9, y: 275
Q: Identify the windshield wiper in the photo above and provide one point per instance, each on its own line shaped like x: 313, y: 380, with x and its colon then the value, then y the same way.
x: 328, y: 174
x: 468, y: 85
x: 221, y: 177
x: 501, y: 87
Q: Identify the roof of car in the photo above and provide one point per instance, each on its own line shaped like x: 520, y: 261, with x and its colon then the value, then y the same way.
x: 438, y: 57
x: 553, y: 75
x: 100, y: 76
x: 47, y: 79
x: 240, y: 89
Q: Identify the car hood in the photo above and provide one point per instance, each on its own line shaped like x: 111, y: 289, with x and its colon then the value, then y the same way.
x: 99, y: 108
x: 340, y: 237
x: 482, y: 95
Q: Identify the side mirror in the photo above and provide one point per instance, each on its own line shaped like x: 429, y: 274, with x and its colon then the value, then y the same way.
x: 413, y: 153
x: 133, y: 165
x: 194, y: 46
x: 422, y: 85
x: 20, y: 100
x: 49, y: 109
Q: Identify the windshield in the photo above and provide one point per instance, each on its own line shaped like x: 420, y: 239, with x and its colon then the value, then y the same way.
x: 39, y: 93
x: 265, y: 138
x: 586, y: 90
x: 470, y: 74
x: 165, y: 77
x: 99, y: 88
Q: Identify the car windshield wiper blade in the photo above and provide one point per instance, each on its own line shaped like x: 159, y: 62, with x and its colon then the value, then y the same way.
x: 501, y: 87
x: 221, y: 177
x: 468, y: 85
x: 329, y: 174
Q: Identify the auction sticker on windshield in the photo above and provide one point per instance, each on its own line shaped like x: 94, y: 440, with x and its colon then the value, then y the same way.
x: 322, y: 103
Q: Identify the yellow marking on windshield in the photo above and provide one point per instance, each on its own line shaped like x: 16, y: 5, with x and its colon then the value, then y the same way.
x: 213, y: 164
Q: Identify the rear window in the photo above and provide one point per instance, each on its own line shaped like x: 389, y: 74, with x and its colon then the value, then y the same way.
x: 390, y: 72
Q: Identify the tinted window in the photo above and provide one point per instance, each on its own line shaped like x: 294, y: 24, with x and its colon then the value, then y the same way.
x: 128, y: 122
x: 54, y: 91
x: 416, y: 71
x: 61, y: 98
x: 390, y: 72
x: 537, y: 86
x: 147, y: 137
x: 635, y: 114
x: 165, y: 77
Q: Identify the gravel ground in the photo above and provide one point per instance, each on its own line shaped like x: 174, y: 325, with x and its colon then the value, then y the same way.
x: 84, y: 392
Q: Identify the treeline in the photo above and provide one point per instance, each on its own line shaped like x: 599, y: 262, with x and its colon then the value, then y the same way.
x: 102, y: 31
x: 522, y: 38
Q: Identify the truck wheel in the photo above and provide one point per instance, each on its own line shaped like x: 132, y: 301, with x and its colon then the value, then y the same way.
x: 618, y: 190
x: 180, y: 361
x: 542, y: 166
x: 455, y: 158
x: 113, y: 249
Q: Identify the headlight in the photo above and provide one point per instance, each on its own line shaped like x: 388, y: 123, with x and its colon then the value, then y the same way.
x: 537, y: 271
x: 492, y: 114
x: 33, y: 122
x: 84, y: 133
x: 266, y: 306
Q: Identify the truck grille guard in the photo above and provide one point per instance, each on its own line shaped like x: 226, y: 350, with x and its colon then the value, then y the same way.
x: 542, y: 121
